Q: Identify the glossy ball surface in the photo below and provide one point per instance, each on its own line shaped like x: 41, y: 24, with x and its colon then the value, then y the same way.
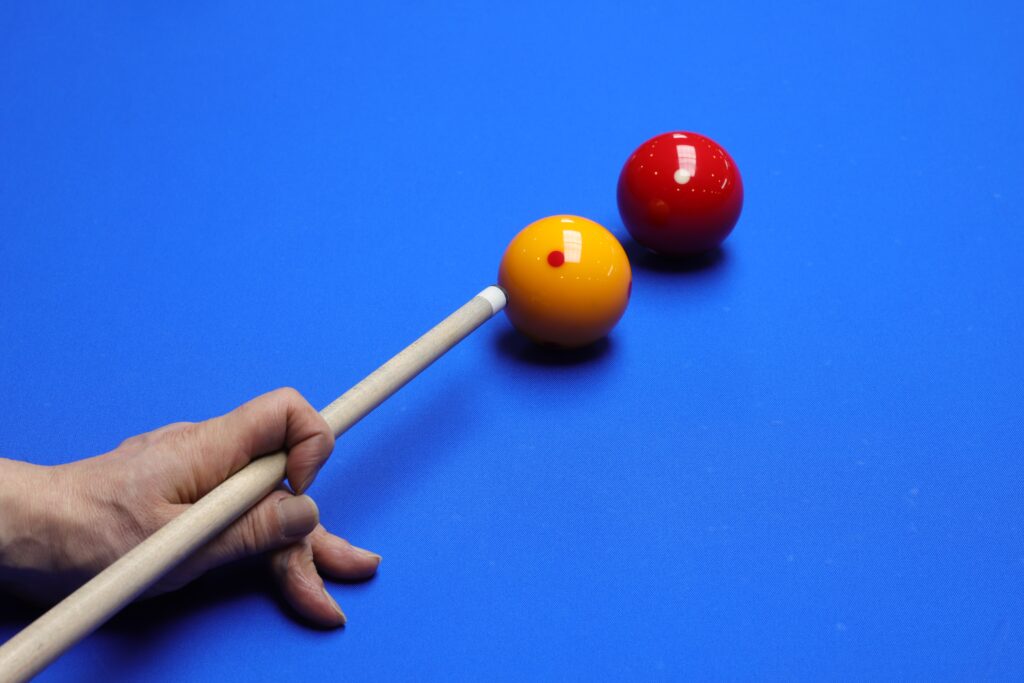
x: 568, y: 281
x: 680, y: 194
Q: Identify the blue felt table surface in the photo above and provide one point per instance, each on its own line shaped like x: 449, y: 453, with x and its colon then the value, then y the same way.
x: 801, y: 461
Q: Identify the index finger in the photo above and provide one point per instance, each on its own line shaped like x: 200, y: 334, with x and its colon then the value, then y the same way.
x: 279, y: 420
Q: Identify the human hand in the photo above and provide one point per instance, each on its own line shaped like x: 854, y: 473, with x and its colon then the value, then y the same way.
x: 59, y: 526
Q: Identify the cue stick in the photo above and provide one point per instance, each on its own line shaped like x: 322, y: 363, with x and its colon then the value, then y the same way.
x: 79, y: 614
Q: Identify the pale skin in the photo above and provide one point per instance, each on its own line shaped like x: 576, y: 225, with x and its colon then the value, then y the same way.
x: 61, y: 525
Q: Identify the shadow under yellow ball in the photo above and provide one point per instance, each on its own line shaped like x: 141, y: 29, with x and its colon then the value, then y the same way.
x: 568, y: 281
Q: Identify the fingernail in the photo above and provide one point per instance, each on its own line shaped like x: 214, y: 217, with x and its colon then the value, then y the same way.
x: 367, y: 554
x: 308, y: 481
x: 299, y: 516
x: 337, y: 609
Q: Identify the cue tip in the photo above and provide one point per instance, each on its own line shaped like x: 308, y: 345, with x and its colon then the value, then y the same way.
x: 495, y: 296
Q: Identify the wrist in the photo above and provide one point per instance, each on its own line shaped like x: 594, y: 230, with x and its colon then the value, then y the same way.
x: 25, y: 517
x: 58, y: 527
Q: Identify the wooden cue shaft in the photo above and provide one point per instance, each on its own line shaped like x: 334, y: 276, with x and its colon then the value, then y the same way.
x: 78, y: 615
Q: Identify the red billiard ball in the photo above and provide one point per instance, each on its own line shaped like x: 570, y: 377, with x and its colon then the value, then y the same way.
x: 680, y: 194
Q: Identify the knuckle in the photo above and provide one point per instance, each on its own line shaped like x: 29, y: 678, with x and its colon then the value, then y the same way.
x: 261, y: 527
x: 134, y: 442
x: 185, y: 441
x: 249, y: 534
x: 293, y: 398
x: 289, y: 394
x: 147, y: 439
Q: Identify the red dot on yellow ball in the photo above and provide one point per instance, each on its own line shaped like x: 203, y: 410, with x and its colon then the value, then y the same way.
x: 568, y: 281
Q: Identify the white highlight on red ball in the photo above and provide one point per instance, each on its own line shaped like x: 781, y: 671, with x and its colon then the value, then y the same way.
x: 687, y: 155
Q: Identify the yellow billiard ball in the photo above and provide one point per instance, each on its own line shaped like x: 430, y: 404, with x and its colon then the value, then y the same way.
x: 568, y: 281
